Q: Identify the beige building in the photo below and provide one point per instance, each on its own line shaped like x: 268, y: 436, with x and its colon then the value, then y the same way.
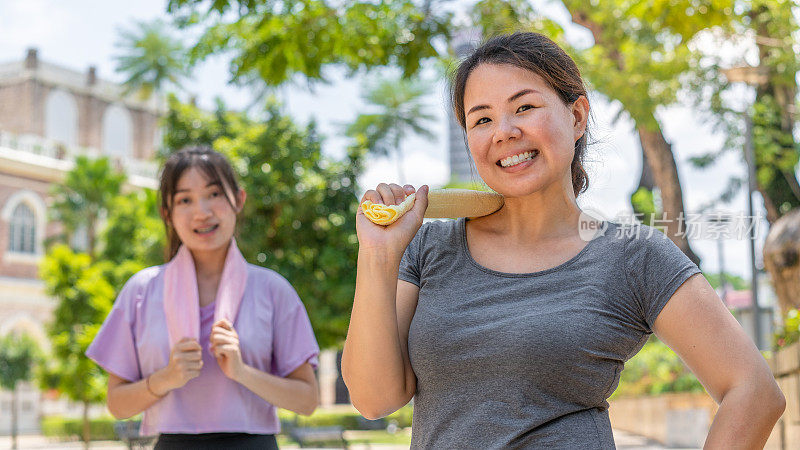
x: 48, y: 116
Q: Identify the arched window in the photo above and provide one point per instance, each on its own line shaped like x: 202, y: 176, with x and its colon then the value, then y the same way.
x: 25, y: 212
x: 22, y: 232
x: 117, y: 132
x: 61, y: 118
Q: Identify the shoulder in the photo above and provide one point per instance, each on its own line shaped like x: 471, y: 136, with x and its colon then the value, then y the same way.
x: 146, y: 275
x: 138, y: 287
x: 641, y: 238
x: 263, y: 279
x: 438, y: 231
x: 139, y: 282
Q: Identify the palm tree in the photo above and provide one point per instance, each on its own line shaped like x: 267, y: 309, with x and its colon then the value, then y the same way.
x: 151, y: 58
x: 85, y: 197
x: 400, y: 114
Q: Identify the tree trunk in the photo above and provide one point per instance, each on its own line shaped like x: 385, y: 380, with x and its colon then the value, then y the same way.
x: 657, y: 152
x: 665, y: 173
x: 780, y: 191
x: 86, y: 431
x: 782, y: 259
x: 14, y: 417
x: 646, y: 179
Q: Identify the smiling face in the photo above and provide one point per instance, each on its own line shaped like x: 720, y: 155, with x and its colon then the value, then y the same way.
x: 200, y: 212
x: 520, y: 133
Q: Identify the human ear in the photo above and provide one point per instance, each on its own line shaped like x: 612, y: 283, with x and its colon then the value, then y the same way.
x: 580, y: 114
x: 164, y: 215
x: 241, y: 196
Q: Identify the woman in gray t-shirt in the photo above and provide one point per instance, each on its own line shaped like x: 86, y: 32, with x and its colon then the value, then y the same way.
x: 510, y: 330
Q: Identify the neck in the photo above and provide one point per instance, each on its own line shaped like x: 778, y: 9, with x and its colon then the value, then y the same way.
x: 209, y: 263
x: 551, y: 213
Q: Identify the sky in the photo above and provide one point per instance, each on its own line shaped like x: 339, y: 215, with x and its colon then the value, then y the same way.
x: 80, y: 33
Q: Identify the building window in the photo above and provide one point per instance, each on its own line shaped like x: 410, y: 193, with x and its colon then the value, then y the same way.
x: 117, y: 132
x: 22, y: 236
x: 61, y: 118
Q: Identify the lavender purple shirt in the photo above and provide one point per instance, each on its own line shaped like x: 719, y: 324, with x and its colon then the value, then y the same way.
x: 275, y: 336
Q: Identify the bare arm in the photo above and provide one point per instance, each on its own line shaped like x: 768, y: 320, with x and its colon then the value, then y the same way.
x: 375, y: 362
x: 297, y: 392
x: 126, y: 399
x: 698, y: 327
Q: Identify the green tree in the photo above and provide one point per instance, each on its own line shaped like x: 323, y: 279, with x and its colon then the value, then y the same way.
x: 772, y: 28
x: 85, y: 196
x: 654, y: 370
x: 18, y: 353
x: 300, y: 211
x: 84, y: 299
x: 278, y: 39
x: 134, y: 231
x: 151, y: 58
x: 400, y: 112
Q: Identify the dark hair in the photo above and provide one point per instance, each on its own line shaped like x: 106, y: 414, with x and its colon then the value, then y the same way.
x: 212, y: 164
x: 542, y: 56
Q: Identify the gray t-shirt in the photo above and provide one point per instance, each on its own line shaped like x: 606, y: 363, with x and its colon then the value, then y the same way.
x: 528, y: 360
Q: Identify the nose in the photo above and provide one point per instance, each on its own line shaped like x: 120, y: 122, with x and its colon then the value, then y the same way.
x: 203, y: 209
x: 506, y: 130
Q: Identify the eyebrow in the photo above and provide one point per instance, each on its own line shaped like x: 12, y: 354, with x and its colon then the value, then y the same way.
x: 510, y: 99
x: 213, y: 183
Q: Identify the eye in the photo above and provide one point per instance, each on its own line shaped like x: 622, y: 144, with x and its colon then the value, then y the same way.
x: 215, y: 194
x: 183, y: 200
x: 482, y: 121
x: 524, y: 108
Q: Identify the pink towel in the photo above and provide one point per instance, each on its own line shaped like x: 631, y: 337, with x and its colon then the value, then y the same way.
x: 181, y: 298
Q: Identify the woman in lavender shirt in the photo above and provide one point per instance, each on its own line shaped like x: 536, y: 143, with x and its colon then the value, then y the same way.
x: 221, y: 391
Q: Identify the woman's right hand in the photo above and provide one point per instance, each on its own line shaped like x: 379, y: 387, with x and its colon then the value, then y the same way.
x: 392, y: 239
x: 185, y: 363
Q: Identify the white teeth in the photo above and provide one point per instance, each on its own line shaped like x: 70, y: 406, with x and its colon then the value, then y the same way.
x: 516, y: 159
x: 206, y: 230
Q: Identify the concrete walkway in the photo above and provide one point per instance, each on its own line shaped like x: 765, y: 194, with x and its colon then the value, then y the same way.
x: 623, y: 440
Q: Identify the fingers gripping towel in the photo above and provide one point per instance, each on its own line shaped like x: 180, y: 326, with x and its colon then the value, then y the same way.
x: 182, y: 300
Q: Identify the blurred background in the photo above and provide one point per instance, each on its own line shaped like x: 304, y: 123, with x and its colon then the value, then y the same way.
x: 693, y: 130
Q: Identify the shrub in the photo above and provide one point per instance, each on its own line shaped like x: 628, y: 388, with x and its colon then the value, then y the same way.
x: 69, y: 428
x: 656, y: 369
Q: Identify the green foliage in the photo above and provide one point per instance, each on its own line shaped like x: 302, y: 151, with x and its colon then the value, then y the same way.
x: 151, y: 58
x: 87, y: 192
x: 134, y: 233
x: 18, y: 354
x: 85, y: 298
x: 738, y: 283
x: 789, y: 332
x: 400, y: 112
x: 777, y: 154
x: 299, y: 215
x: 644, y: 204
x: 68, y: 428
x: 349, y: 420
x: 493, y: 17
x: 775, y: 29
x: 656, y: 369
x: 278, y: 39
x: 642, y: 49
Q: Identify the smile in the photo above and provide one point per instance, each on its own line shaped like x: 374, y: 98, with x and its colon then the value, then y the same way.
x: 516, y: 159
x: 206, y: 230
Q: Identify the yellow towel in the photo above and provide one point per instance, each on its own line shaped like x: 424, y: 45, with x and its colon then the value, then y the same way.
x: 442, y: 203
x: 386, y: 214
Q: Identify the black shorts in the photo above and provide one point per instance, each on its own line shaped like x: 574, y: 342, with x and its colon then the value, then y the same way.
x: 213, y: 441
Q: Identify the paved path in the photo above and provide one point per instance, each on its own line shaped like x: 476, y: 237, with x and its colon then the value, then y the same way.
x: 625, y: 441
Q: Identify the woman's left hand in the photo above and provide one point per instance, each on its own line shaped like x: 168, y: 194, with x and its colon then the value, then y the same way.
x: 225, y: 347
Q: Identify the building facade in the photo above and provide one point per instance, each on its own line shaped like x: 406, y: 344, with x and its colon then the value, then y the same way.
x: 49, y: 115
